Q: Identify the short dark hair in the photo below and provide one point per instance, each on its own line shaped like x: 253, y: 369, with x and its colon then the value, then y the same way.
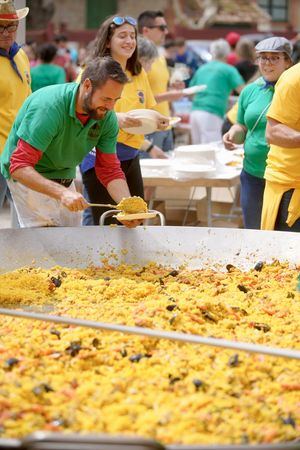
x: 147, y: 18
x: 60, y: 38
x: 100, y: 70
x: 103, y: 38
x: 47, y: 52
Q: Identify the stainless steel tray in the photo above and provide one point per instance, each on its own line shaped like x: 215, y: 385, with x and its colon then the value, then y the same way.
x: 195, y: 247
x: 282, y: 446
x: 8, y: 444
x: 56, y: 441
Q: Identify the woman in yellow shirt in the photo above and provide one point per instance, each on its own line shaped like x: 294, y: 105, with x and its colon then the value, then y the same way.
x: 117, y: 37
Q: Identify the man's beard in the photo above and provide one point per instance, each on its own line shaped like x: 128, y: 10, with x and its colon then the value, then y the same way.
x: 95, y: 114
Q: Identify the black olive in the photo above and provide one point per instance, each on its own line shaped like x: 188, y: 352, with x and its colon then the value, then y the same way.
x: 209, y: 316
x: 173, y: 380
x: 262, y: 327
x: 242, y: 288
x: 95, y: 342
x: 289, y: 421
x: 245, y: 439
x: 235, y: 394
x: 173, y: 318
x: 136, y: 358
x: 234, y: 361
x: 240, y: 310
x: 63, y: 274
x: 290, y: 295
x: 9, y: 363
x: 124, y: 352
x: 56, y: 281
x: 258, y: 266
x: 161, y: 282
x: 198, y: 384
x: 55, y: 332
x: 74, y: 348
x: 230, y: 268
x: 173, y: 273
x: 41, y: 388
x: 171, y: 307
x: 172, y: 299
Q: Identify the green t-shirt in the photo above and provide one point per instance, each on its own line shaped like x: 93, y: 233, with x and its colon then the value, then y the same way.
x: 220, y: 79
x: 47, y: 121
x: 45, y: 75
x: 254, y: 103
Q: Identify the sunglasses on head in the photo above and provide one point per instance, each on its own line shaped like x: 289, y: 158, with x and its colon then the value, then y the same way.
x: 121, y: 20
x: 160, y: 27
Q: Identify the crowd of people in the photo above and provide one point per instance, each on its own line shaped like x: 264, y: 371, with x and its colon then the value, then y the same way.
x: 63, y: 109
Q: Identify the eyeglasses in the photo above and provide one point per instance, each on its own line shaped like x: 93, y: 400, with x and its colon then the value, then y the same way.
x: 8, y: 28
x: 160, y: 27
x: 121, y: 20
x: 271, y: 59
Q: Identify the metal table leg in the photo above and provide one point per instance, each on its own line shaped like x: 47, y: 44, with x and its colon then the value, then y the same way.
x: 209, y: 206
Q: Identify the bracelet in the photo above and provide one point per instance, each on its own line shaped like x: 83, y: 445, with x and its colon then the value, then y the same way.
x: 149, y: 148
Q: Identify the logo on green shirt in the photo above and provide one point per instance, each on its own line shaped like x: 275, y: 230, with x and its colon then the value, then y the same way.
x: 94, y: 131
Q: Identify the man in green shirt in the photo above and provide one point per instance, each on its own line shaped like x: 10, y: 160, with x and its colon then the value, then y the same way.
x: 55, y: 128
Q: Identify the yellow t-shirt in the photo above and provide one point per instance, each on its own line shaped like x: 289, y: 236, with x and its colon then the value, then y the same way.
x: 283, y: 164
x: 159, y: 79
x: 232, y: 113
x: 13, y: 92
x: 137, y: 94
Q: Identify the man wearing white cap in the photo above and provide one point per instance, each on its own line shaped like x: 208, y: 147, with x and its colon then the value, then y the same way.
x: 14, y: 74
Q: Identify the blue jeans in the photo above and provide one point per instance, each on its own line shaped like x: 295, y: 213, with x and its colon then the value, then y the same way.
x: 162, y: 139
x: 280, y: 224
x: 252, y: 193
x: 87, y: 215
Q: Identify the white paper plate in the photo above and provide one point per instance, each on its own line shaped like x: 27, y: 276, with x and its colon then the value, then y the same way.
x: 194, y: 170
x: 148, y: 117
x: 148, y: 113
x: 194, y: 89
x: 147, y: 126
x: 155, y: 162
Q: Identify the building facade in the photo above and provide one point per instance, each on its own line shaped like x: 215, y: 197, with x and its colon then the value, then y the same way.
x: 193, y: 19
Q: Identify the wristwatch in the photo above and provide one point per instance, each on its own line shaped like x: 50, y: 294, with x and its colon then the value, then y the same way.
x: 149, y: 148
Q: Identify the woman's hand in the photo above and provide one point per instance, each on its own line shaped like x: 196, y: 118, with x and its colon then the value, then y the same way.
x: 125, y: 120
x: 228, y: 141
x: 157, y: 152
x: 233, y: 137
